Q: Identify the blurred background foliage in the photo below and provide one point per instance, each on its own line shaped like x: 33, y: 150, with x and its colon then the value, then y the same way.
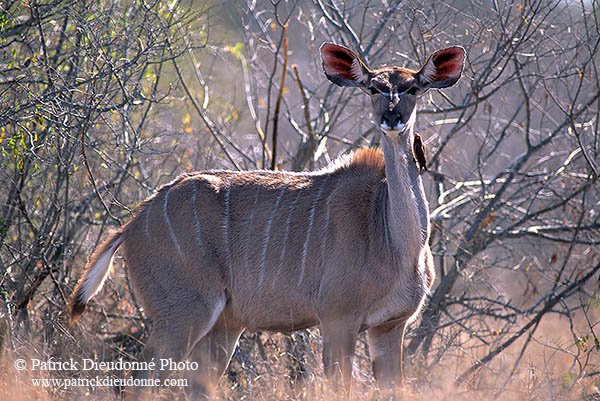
x: 102, y: 102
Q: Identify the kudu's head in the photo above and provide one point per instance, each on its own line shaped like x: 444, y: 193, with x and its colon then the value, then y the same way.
x: 393, y: 90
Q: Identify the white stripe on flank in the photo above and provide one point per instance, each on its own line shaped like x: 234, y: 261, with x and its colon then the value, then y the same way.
x: 267, y: 236
x: 326, y: 224
x: 196, y: 218
x: 226, y: 230
x: 146, y: 218
x: 286, y: 235
x: 250, y: 227
x: 168, y: 223
x: 311, y: 220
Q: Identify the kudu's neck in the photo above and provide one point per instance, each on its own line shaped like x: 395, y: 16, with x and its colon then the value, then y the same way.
x: 407, y: 210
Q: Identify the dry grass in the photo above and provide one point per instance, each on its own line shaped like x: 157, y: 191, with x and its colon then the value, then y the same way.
x: 551, y: 369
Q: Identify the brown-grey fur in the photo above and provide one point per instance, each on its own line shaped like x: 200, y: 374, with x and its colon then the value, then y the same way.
x: 217, y: 252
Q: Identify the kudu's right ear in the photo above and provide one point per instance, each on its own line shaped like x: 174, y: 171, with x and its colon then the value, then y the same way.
x: 343, y: 67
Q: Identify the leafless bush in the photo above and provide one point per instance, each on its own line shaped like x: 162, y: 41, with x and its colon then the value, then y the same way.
x: 81, y: 96
x: 101, y: 103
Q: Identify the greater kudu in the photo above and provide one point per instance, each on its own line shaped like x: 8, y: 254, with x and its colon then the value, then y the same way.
x: 215, y: 252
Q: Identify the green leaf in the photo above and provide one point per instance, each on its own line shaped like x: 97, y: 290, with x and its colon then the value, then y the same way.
x: 237, y: 49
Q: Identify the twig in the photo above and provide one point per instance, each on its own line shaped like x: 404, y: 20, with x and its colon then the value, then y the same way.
x: 89, y: 170
x: 552, y: 301
x: 306, y: 148
x: 391, y: 10
x: 209, y: 124
x: 279, y: 97
x: 253, y: 115
x: 592, y: 166
x: 344, y: 25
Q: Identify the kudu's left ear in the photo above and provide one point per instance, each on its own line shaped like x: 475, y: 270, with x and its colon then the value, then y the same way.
x: 343, y: 67
x: 442, y: 69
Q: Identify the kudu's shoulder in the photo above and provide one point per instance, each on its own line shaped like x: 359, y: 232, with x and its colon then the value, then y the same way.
x: 364, y: 164
x: 370, y: 159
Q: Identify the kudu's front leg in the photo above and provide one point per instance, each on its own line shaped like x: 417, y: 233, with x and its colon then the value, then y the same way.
x: 385, y: 348
x: 339, y: 340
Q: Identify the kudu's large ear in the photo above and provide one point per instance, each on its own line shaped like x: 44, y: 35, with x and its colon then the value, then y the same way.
x: 442, y: 69
x: 343, y: 67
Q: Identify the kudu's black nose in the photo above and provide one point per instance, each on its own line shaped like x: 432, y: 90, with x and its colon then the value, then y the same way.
x: 390, y: 118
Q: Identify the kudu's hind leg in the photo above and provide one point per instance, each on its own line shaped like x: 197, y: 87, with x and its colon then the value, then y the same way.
x: 385, y: 348
x: 212, y: 353
x: 173, y: 336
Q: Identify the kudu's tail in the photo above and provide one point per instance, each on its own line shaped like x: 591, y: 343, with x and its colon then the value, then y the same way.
x: 96, y: 271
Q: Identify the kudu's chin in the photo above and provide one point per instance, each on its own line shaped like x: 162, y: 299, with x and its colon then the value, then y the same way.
x: 389, y: 131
